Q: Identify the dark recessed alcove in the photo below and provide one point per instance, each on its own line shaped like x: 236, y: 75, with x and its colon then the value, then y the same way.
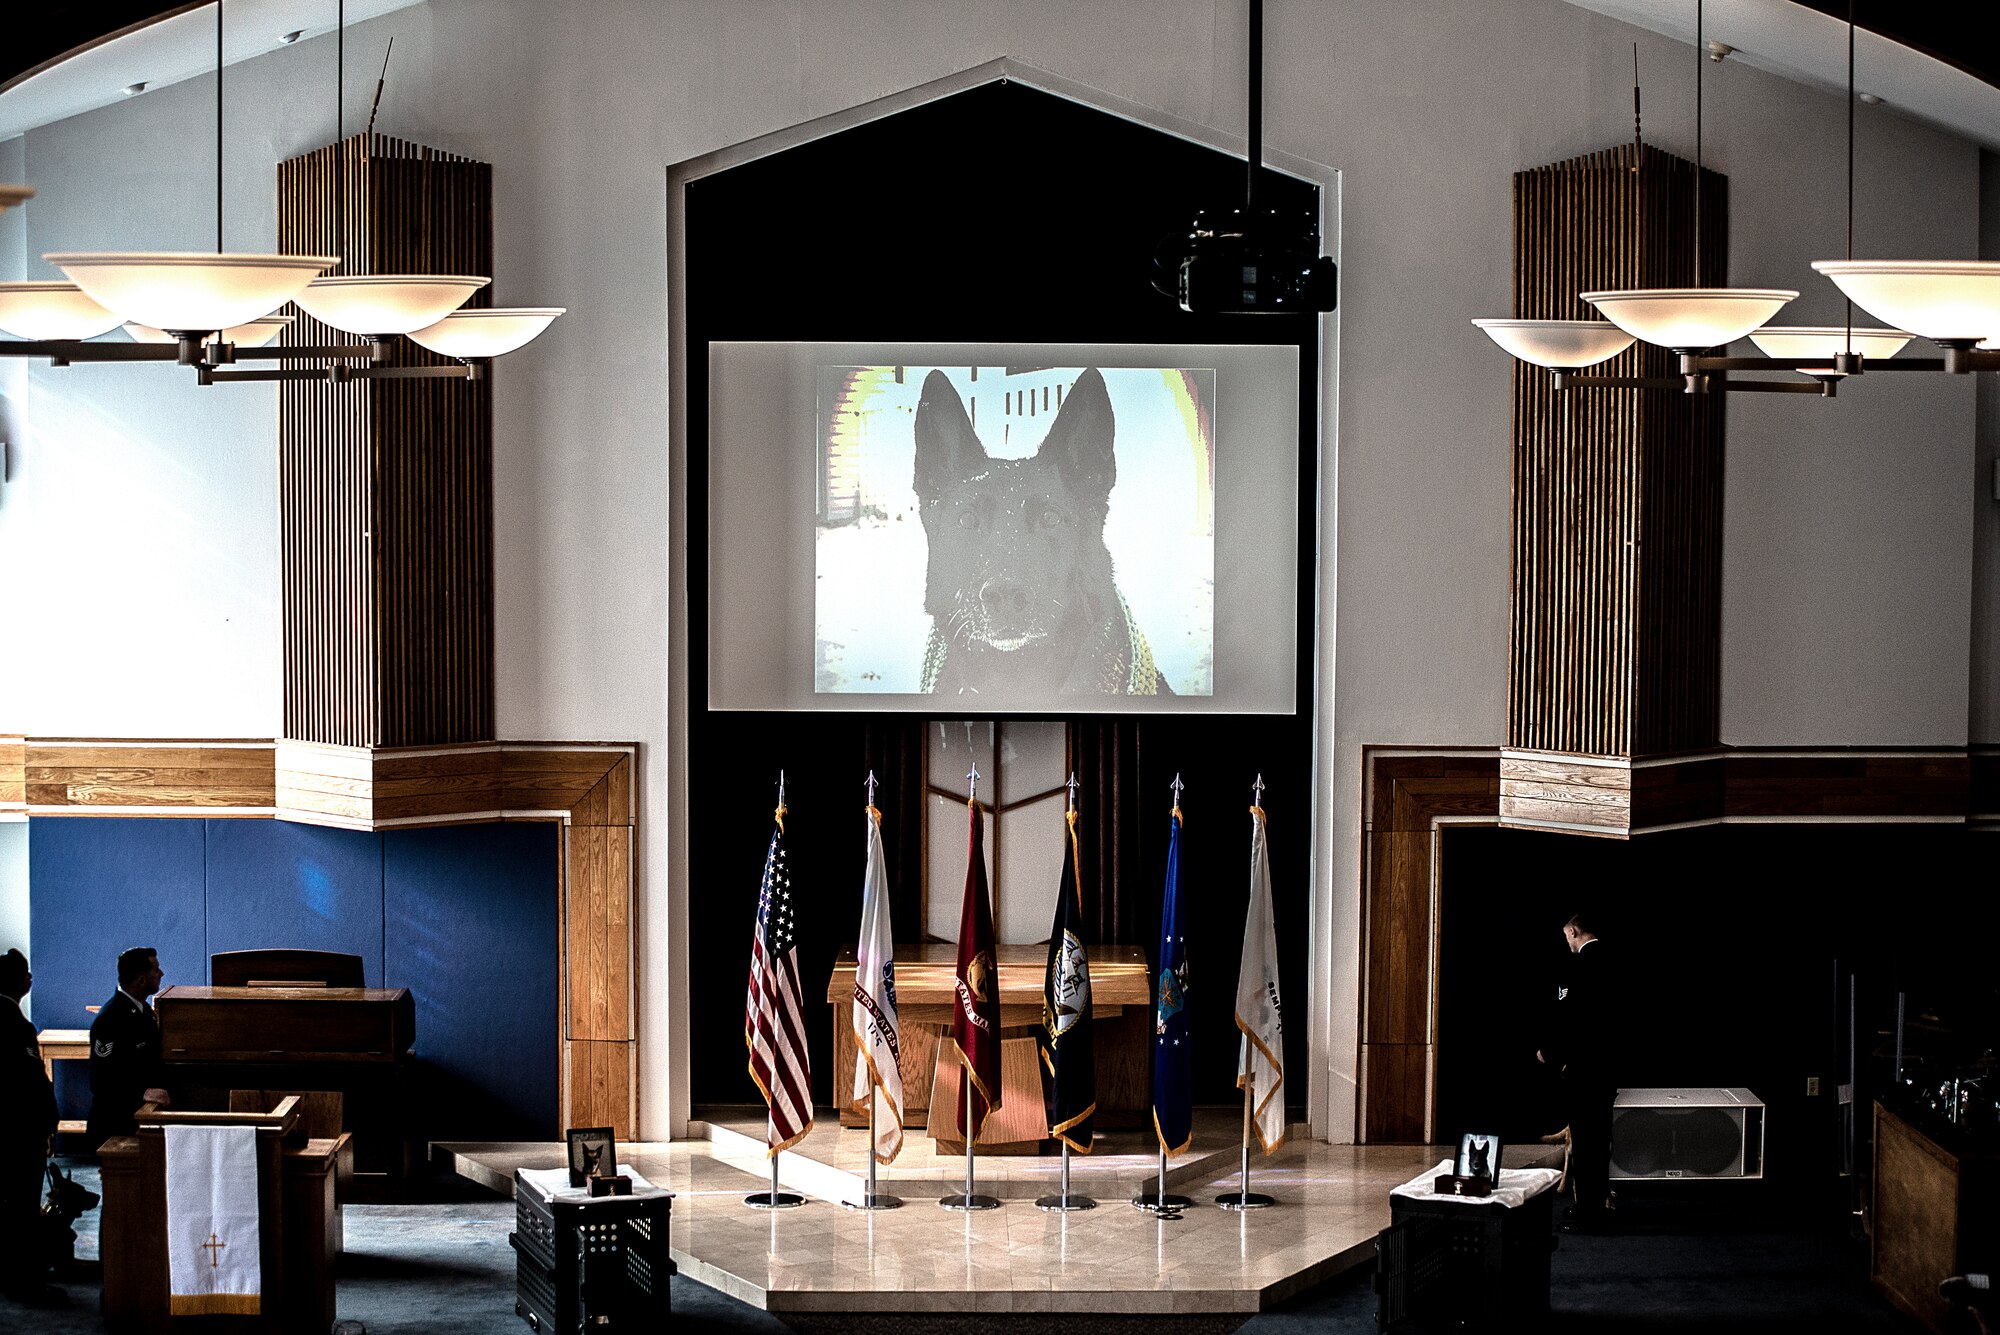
x: 1737, y: 945
x: 1002, y: 213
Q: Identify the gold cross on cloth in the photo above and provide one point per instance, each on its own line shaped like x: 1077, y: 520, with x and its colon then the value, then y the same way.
x: 214, y: 1248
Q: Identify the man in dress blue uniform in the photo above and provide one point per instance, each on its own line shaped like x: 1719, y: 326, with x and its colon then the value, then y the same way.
x: 125, y: 1049
x: 1583, y: 1052
x: 27, y: 1120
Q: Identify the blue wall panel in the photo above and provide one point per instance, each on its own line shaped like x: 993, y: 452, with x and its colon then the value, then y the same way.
x: 96, y: 886
x: 465, y: 917
x: 273, y: 883
x: 471, y: 919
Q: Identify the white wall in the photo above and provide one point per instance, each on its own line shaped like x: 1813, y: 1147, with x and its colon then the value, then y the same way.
x: 1849, y: 540
x: 1985, y: 688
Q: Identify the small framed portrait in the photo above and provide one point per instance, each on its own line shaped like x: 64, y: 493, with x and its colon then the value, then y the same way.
x: 593, y: 1152
x: 1478, y: 1156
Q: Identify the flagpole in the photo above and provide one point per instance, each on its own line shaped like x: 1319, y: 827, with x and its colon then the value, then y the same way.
x: 775, y: 1199
x: 1158, y: 1201
x: 970, y: 1200
x: 871, y: 1199
x: 1063, y: 1199
x: 1243, y: 1198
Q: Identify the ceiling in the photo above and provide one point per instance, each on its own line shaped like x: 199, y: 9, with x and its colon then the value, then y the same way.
x: 69, y: 57
x: 1922, y: 60
x: 1938, y: 70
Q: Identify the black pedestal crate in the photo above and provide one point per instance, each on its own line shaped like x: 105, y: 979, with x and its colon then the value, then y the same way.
x: 590, y: 1266
x: 1442, y: 1265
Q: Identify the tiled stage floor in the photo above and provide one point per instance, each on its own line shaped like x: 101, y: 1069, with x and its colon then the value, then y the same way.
x: 1333, y: 1199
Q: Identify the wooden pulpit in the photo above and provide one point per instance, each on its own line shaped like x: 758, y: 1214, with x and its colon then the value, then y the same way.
x: 294, y: 1202
x: 926, y: 977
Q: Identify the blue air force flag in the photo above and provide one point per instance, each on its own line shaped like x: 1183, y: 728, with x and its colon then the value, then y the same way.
x: 1261, y: 1065
x: 877, y: 1046
x: 1173, y: 1048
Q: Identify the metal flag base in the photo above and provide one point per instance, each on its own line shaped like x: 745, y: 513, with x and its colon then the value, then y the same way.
x: 961, y: 1201
x: 1065, y: 1203
x: 774, y: 1199
x: 1245, y: 1200
x: 1064, y: 1199
x: 1160, y: 1201
x: 1155, y: 1203
x: 874, y: 1201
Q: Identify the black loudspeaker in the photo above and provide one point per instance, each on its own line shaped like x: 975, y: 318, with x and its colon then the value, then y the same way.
x: 1687, y: 1133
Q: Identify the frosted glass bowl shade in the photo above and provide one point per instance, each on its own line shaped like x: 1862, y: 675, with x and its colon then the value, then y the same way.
x: 51, y: 309
x: 491, y: 332
x: 255, y: 334
x: 1560, y: 345
x: 10, y: 195
x: 1827, y: 341
x: 386, y: 303
x: 1690, y: 318
x: 1939, y: 299
x: 189, y: 291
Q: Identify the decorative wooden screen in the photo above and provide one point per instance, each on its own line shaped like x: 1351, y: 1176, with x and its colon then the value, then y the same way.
x: 386, y: 485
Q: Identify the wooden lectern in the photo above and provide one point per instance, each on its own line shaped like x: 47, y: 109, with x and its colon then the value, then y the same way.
x: 926, y: 980
x: 294, y: 1205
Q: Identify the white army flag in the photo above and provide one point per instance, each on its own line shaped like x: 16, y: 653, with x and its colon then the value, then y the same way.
x: 1258, y: 1015
x: 877, y: 1040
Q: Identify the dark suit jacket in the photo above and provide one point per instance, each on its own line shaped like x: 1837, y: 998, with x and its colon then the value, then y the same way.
x: 124, y: 1064
x: 1588, y: 1016
x: 27, y: 1100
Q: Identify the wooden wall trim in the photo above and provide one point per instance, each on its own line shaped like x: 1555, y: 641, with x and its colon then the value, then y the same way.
x: 1410, y: 793
x: 588, y: 788
x: 13, y: 777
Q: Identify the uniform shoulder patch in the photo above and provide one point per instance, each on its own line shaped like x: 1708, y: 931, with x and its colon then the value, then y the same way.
x: 100, y: 1047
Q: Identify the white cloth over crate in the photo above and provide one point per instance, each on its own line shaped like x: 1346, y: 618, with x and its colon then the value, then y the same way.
x: 214, y: 1264
x: 553, y: 1184
x: 1514, y: 1188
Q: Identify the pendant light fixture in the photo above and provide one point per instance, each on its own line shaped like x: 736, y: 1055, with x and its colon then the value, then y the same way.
x: 192, y: 294
x: 209, y: 310
x: 1691, y: 319
x: 51, y: 309
x: 374, y: 305
x: 1955, y: 303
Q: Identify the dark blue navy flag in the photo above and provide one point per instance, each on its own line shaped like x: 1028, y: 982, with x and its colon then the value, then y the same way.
x: 1173, y: 1044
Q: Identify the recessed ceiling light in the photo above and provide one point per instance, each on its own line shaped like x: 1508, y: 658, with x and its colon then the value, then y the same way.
x: 1717, y: 51
x: 1869, y: 98
x: 134, y: 89
x: 291, y: 36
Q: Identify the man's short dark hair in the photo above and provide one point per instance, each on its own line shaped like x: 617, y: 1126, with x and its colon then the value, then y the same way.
x: 13, y: 973
x: 133, y: 962
x: 1585, y: 923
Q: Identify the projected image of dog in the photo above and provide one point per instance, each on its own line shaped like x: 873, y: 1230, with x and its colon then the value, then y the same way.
x: 1020, y: 586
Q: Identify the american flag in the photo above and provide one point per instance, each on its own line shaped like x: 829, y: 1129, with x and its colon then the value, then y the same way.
x: 774, y: 1024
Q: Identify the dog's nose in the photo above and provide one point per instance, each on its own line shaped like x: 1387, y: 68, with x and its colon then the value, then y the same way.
x: 1003, y: 595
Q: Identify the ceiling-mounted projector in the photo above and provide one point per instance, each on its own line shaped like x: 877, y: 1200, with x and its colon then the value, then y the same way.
x: 1248, y: 260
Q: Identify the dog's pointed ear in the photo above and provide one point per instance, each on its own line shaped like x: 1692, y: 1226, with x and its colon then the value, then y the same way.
x: 1079, y: 441
x: 948, y: 450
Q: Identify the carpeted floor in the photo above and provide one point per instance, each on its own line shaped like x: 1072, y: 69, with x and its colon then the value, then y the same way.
x: 445, y: 1268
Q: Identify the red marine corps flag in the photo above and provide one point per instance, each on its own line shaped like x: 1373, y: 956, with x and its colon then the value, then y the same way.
x: 975, y: 1020
x: 774, y: 1025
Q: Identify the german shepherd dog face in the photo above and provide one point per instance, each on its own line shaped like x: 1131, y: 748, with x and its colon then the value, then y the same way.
x: 1020, y: 586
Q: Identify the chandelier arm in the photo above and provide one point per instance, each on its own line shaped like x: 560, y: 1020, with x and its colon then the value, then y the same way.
x: 1695, y: 364
x: 63, y: 352
x: 1571, y: 380
x: 471, y: 370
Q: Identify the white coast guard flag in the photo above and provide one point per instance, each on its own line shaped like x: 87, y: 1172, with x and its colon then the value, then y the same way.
x: 877, y: 1041
x: 1257, y: 1010
x: 212, y: 1240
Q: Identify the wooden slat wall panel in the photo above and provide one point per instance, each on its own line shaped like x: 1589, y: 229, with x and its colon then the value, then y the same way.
x: 541, y: 780
x: 1616, y: 596
x: 386, y: 486
x: 598, y: 918
x: 601, y: 1078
